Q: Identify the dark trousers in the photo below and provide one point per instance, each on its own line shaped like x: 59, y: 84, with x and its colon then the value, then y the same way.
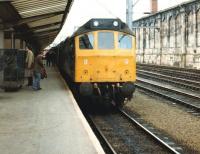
x: 30, y: 81
x: 48, y: 63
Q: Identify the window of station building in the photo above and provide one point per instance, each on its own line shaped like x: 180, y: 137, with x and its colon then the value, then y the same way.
x: 178, y: 31
x: 171, y: 32
x: 124, y: 41
x: 145, y: 34
x: 144, y: 38
x: 138, y: 38
x: 105, y: 40
x: 152, y: 36
x: 198, y: 28
x: 86, y: 41
x: 164, y: 33
x: 141, y: 34
x: 157, y: 37
x: 147, y: 31
x: 189, y: 30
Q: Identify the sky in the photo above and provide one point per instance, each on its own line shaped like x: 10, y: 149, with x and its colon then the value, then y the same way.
x: 83, y: 10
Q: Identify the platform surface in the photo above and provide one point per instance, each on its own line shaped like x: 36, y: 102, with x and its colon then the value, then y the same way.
x: 44, y: 122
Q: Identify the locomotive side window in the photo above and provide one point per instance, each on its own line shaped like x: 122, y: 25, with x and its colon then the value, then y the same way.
x: 105, y: 40
x: 124, y: 41
x: 86, y: 41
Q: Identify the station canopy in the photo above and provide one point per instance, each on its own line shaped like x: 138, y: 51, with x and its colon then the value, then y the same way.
x: 36, y: 21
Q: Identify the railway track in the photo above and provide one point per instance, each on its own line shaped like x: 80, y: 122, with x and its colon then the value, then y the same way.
x: 176, y: 81
x: 106, y: 144
x: 127, y: 134
x: 189, y: 70
x: 189, y: 74
x: 189, y: 100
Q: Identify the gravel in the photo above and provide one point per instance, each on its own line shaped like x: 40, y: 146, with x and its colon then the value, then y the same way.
x: 182, y: 126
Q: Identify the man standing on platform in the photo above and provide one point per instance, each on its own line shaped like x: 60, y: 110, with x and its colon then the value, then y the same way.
x: 29, y: 65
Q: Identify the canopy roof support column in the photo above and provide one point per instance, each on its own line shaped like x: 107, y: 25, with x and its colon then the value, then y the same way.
x: 1, y: 39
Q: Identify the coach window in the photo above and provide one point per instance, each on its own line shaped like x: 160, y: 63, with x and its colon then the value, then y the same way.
x: 124, y: 41
x: 105, y: 40
x: 86, y: 41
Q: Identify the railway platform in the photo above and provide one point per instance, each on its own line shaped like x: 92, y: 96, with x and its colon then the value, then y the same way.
x: 47, y: 121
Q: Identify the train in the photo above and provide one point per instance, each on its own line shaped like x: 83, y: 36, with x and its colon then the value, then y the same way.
x: 99, y: 59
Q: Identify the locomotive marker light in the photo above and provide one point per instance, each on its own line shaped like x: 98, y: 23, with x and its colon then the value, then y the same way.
x: 85, y: 61
x: 126, y: 61
x: 96, y: 23
x: 115, y: 23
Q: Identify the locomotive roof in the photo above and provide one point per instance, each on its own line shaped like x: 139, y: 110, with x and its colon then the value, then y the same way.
x: 103, y: 24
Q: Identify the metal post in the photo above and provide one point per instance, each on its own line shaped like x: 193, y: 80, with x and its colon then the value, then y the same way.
x: 129, y: 13
x: 12, y: 40
x: 1, y: 39
x: 21, y: 44
x: 1, y: 36
x: 24, y: 45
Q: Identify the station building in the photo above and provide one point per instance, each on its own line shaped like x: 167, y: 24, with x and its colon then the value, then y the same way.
x: 170, y: 37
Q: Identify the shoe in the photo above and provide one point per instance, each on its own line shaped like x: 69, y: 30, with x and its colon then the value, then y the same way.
x: 29, y: 85
x: 34, y: 89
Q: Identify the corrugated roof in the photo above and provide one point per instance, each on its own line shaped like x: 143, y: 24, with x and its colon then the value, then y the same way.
x: 42, y: 19
x: 29, y: 8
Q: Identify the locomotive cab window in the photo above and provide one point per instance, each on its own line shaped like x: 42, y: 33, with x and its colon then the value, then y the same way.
x: 105, y: 40
x: 86, y: 41
x: 124, y: 41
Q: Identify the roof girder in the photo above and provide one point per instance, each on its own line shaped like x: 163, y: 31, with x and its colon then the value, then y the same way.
x: 44, y: 26
x: 31, y: 19
x: 46, y: 32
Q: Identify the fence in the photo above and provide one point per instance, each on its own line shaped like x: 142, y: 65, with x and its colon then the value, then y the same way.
x: 12, y: 68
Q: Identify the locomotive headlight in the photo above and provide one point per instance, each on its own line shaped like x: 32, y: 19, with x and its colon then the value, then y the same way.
x: 96, y: 23
x: 115, y: 23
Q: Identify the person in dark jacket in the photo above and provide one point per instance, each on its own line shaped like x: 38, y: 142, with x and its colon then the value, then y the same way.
x: 53, y: 58
x: 38, y: 66
x: 48, y: 59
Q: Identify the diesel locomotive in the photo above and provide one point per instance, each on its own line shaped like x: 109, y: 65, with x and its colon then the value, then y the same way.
x: 99, y: 58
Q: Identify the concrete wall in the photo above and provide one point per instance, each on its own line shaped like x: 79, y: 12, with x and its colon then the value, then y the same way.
x: 170, y: 37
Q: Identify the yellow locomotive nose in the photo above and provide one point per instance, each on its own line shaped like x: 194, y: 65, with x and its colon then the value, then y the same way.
x: 103, y: 68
